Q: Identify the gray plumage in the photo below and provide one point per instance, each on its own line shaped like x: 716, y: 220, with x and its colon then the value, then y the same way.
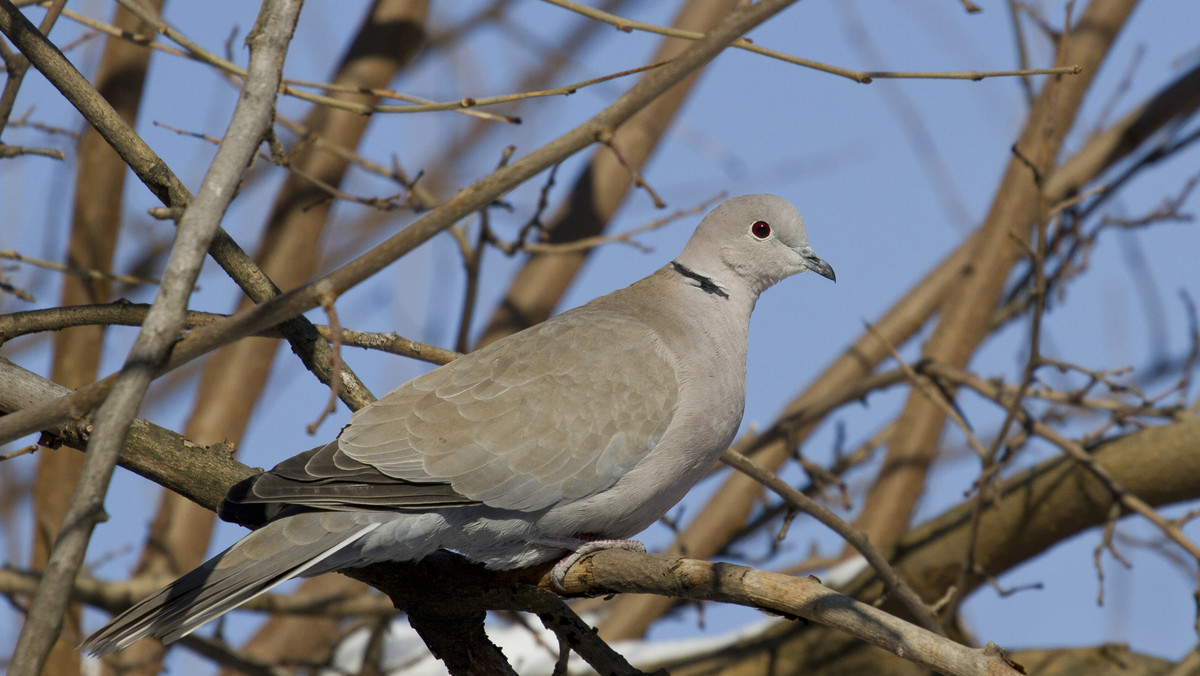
x: 587, y: 427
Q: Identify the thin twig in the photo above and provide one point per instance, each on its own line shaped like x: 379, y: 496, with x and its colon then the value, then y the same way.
x: 472, y: 263
x: 15, y: 324
x: 857, y: 539
x: 19, y: 452
x: 8, y: 152
x: 570, y: 629
x: 195, y: 51
x: 9, y: 287
x: 864, y: 77
x: 335, y: 327
x: 294, y: 87
x: 1106, y: 543
x: 1076, y: 451
x: 626, y: 237
x: 606, y: 136
x: 78, y: 272
x: 389, y: 203
x: 931, y: 393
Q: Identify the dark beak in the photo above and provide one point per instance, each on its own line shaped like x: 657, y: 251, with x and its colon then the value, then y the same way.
x: 813, y: 262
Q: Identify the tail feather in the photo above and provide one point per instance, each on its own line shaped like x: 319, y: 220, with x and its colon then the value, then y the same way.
x: 283, y: 549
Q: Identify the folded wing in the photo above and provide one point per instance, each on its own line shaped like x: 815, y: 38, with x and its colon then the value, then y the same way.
x: 521, y: 424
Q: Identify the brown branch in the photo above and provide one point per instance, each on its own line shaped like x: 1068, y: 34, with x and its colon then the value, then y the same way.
x: 87, y: 273
x: 613, y: 571
x: 575, y: 633
x: 18, y: 324
x: 863, y: 77
x: 924, y: 615
x: 19, y: 452
x: 9, y: 152
x: 449, y: 582
x: 222, y: 654
x: 455, y: 635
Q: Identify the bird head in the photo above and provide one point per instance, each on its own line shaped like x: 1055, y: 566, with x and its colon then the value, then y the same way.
x: 756, y: 240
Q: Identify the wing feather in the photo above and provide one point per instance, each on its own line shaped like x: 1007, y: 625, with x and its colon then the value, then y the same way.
x: 520, y: 424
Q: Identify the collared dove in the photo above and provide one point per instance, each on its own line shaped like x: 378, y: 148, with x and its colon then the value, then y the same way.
x: 561, y: 439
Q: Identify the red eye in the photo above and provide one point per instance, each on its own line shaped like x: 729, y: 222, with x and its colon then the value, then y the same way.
x: 761, y: 229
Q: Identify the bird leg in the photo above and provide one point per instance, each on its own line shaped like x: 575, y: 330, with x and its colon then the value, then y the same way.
x: 559, y: 572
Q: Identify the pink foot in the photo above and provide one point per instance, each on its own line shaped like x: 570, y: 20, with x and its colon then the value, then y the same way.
x: 559, y: 572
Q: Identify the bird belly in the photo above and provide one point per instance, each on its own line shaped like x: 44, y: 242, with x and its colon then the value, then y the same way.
x: 653, y: 486
x: 500, y: 539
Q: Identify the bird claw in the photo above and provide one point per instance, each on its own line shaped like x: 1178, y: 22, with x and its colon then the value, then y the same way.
x: 559, y: 572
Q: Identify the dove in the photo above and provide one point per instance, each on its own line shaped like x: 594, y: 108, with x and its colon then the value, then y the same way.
x: 567, y: 437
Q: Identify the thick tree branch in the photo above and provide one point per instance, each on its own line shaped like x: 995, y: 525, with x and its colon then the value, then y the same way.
x: 615, y: 571
x: 1042, y: 506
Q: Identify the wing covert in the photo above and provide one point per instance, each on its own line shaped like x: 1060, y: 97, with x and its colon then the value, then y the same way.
x: 526, y: 422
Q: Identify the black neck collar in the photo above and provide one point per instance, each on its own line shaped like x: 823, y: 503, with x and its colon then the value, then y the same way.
x: 705, y: 284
